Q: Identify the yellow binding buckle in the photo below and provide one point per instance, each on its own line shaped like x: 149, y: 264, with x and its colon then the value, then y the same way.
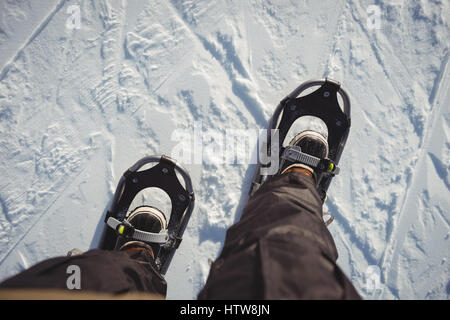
x: 331, y: 167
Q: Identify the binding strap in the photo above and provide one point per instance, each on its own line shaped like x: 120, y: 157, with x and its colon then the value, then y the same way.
x: 294, y: 154
x: 125, y: 229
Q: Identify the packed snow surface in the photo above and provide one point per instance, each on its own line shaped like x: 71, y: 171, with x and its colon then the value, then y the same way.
x: 89, y: 87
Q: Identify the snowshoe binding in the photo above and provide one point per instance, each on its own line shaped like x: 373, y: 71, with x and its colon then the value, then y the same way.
x: 148, y: 219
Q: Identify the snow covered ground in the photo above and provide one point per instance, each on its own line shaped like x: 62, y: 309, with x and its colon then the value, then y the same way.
x: 89, y: 87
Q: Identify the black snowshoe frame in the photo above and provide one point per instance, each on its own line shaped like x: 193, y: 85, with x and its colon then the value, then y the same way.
x: 162, y: 175
x: 322, y: 103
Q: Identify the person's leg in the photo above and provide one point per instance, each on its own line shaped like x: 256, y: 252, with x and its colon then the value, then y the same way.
x: 280, y: 248
x: 111, y: 272
x: 129, y: 268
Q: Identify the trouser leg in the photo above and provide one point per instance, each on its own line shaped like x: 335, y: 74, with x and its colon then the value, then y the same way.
x: 280, y: 248
x: 102, y: 271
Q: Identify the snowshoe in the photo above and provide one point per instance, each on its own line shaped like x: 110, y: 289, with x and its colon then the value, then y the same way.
x: 164, y: 176
x: 323, y: 104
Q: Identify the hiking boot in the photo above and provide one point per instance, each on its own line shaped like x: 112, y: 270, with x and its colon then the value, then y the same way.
x: 311, y: 143
x: 144, y: 218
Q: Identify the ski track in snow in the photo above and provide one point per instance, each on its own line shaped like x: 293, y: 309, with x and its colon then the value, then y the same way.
x: 77, y: 107
x: 35, y: 222
x: 408, y: 215
x: 5, y: 68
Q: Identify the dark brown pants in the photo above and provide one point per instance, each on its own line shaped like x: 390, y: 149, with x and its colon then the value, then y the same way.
x: 280, y: 249
x: 106, y: 272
